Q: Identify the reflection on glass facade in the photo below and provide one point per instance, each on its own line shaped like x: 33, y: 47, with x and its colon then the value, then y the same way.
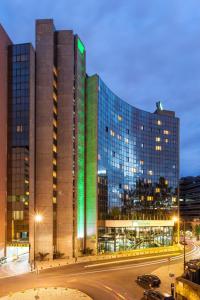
x: 138, y: 169
x: 18, y: 143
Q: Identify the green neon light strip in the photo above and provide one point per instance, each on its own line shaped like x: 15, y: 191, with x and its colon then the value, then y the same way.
x: 81, y: 153
x: 91, y: 157
x: 81, y: 47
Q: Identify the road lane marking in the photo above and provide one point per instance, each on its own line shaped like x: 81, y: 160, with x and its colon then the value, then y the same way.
x: 108, y: 288
x: 120, y: 296
x: 126, y: 260
x: 114, y: 292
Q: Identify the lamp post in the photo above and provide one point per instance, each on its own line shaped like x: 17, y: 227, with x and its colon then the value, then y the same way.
x: 178, y: 220
x: 37, y: 219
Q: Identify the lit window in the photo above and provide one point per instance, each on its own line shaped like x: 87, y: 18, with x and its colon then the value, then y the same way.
x: 54, y: 148
x: 54, y: 135
x: 166, y: 182
x: 54, y: 200
x: 150, y: 172
x: 54, y: 186
x: 166, y: 140
x: 112, y: 132
x: 157, y: 190
x: 126, y: 186
x: 19, y: 128
x: 149, y: 181
x: 18, y: 215
x: 54, y: 162
x: 99, y: 156
x: 54, y: 97
x: 141, y: 162
x: 142, y: 198
x: 173, y: 199
x: 133, y: 170
x: 54, y: 122
x: 142, y: 127
x: 54, y: 174
x: 55, y: 110
x: 119, y: 118
x: 142, y: 145
x: 126, y: 140
x: 166, y: 132
x: 159, y: 122
x: 158, y: 148
x: 157, y: 139
x: 149, y: 198
x: 119, y: 137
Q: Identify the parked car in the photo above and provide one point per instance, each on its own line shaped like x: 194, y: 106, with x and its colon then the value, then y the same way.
x: 148, y: 280
x: 156, y: 295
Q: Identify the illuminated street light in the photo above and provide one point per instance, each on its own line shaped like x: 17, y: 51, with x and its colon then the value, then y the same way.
x: 175, y: 219
x: 38, y: 218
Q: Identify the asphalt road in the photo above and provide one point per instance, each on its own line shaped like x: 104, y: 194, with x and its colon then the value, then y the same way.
x: 101, y: 280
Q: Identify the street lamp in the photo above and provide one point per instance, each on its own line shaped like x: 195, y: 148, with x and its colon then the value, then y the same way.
x: 176, y: 219
x: 37, y: 219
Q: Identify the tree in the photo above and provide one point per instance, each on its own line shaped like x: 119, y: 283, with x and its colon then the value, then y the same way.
x: 197, y: 231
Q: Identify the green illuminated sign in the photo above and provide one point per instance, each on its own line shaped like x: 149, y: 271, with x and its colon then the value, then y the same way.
x: 81, y: 48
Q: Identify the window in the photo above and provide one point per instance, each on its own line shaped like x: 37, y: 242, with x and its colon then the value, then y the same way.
x: 119, y: 118
x: 159, y: 122
x: 142, y: 127
x: 141, y: 162
x: 166, y: 132
x: 19, y: 128
x: 150, y: 172
x: 149, y: 198
x: 142, y: 145
x: 166, y: 140
x: 157, y: 139
x: 126, y: 140
x: 18, y: 215
x: 112, y: 132
x: 157, y: 190
x: 158, y: 148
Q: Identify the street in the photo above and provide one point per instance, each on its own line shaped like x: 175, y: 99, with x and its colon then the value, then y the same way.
x: 102, y: 280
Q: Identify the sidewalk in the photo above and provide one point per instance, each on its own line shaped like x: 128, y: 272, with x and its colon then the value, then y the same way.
x: 173, y: 268
x: 48, y: 293
x: 172, y: 250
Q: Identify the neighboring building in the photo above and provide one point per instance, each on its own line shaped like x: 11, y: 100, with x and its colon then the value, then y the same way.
x: 102, y: 174
x: 190, y: 198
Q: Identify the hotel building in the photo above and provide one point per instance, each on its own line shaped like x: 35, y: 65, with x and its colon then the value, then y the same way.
x: 102, y: 174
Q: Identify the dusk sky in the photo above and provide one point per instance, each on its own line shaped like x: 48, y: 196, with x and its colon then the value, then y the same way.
x: 144, y: 50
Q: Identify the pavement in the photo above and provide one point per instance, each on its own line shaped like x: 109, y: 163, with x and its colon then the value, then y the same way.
x: 107, y: 280
x: 48, y: 293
